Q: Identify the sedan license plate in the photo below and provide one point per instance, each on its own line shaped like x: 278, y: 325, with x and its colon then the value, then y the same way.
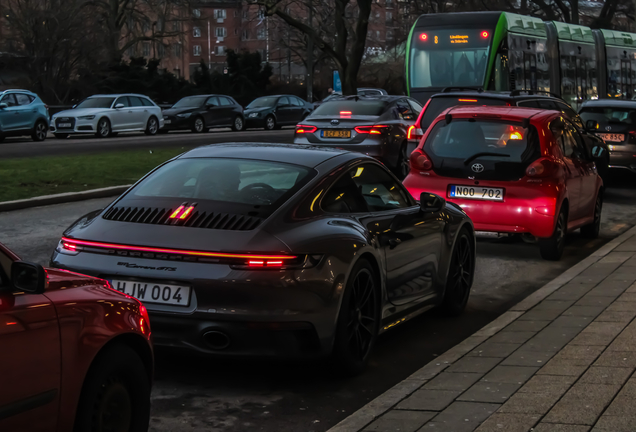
x: 64, y: 125
x: 608, y: 137
x: 336, y: 134
x: 476, y: 192
x: 150, y: 292
x: 167, y: 121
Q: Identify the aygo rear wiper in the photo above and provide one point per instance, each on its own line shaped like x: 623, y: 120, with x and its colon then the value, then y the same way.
x: 475, y: 156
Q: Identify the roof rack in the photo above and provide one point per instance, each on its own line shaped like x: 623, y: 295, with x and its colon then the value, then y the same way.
x: 535, y: 92
x: 451, y: 89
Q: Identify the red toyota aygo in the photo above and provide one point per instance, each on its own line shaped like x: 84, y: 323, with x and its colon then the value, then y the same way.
x: 512, y: 170
x: 75, y: 355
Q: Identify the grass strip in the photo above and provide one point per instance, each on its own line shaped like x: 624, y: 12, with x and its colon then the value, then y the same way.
x: 36, y: 176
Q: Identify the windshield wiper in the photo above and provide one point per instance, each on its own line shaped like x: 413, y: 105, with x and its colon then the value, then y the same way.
x: 475, y: 156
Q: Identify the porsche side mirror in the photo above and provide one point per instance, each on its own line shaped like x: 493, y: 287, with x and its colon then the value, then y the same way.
x: 431, y: 203
x: 119, y: 106
x: 591, y: 125
x: 3, y: 105
x: 28, y: 277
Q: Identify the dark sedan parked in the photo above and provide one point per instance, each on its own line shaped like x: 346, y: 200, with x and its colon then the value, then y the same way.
x: 378, y: 126
x: 201, y: 113
x: 276, y: 250
x: 272, y: 112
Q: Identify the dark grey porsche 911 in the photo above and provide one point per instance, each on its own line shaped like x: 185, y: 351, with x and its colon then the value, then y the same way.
x: 276, y: 250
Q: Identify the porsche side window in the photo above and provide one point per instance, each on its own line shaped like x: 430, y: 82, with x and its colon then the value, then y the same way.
x: 378, y: 188
x: 344, y: 197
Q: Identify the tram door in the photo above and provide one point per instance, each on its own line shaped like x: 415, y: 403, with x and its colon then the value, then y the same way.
x: 530, y: 71
x: 626, y: 79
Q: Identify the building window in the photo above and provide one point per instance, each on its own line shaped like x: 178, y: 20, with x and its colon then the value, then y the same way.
x: 161, y: 50
x: 197, y: 50
x: 196, y: 32
x: 220, y: 14
x: 246, y: 35
x: 388, y: 3
x: 146, y: 49
x: 176, y: 26
x: 235, y: 13
x: 159, y: 25
x: 220, y: 50
x: 377, y: 14
x: 177, y: 50
x: 236, y: 31
x: 378, y: 35
x: 261, y: 13
x: 389, y: 17
x: 389, y: 35
x: 245, y: 14
x: 220, y: 32
x: 196, y: 13
x: 261, y: 33
x: 261, y: 53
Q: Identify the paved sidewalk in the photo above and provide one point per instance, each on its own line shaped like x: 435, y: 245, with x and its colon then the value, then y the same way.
x: 562, y: 360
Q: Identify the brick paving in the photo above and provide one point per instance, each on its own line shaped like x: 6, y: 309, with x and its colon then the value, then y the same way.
x: 564, y: 365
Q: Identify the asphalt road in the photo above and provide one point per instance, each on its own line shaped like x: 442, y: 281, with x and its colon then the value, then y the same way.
x: 194, y: 393
x: 24, y: 147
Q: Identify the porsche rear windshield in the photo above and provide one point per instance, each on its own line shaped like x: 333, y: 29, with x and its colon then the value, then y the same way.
x: 354, y: 107
x: 97, y: 102
x: 240, y: 184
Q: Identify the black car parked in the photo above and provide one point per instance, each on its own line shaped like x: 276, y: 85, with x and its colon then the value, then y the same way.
x: 378, y: 126
x: 200, y: 113
x: 272, y: 112
x: 522, y: 98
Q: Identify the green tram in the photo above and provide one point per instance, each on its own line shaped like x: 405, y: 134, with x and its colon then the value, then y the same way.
x: 501, y: 51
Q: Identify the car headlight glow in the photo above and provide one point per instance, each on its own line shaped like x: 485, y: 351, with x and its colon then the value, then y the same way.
x: 252, y: 115
x: 88, y: 117
x: 186, y: 115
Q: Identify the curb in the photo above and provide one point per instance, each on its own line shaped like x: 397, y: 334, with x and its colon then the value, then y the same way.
x: 63, y: 198
x: 360, y: 419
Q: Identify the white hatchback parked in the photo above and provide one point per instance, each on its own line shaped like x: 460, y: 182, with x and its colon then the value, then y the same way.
x: 107, y: 115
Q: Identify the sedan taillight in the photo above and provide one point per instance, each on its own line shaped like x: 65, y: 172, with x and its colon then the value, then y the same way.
x: 373, y: 130
x: 303, y: 129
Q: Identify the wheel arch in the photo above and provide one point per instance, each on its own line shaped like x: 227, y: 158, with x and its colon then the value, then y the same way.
x: 135, y: 342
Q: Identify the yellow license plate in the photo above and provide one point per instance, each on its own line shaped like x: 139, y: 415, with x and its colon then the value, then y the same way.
x: 608, y: 137
x: 336, y: 134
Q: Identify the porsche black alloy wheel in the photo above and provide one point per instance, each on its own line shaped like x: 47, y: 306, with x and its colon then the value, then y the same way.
x: 460, y: 275
x: 358, y: 322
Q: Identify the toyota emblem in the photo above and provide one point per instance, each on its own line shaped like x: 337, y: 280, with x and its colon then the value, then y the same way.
x: 335, y: 122
x: 608, y: 128
x: 477, y: 168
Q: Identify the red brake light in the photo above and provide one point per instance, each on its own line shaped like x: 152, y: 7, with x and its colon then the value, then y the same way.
x: 266, y: 263
x: 176, y: 251
x: 420, y: 161
x: 467, y: 100
x: 69, y: 246
x: 484, y: 34
x: 300, y: 129
x: 374, y: 130
x: 423, y: 37
x: 345, y: 113
x: 177, y: 212
x: 542, y: 168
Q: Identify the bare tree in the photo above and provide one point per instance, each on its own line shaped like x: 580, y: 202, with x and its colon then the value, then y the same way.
x: 343, y: 40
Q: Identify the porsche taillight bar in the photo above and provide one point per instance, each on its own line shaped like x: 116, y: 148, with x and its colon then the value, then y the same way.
x: 72, y: 245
